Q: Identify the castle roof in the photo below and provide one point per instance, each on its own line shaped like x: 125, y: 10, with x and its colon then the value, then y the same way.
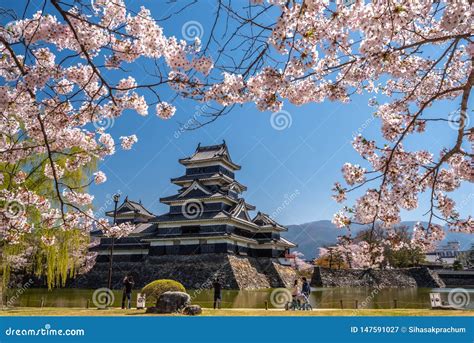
x: 214, y: 195
x: 210, y: 153
x: 129, y: 206
x: 169, y: 217
x: 240, y: 210
x: 288, y: 243
x: 208, y: 176
x: 198, y: 191
x: 263, y: 219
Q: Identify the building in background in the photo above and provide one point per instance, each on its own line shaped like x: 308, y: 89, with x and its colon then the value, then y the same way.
x: 445, y: 254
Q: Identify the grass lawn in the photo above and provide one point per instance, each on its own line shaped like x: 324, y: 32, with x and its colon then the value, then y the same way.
x: 50, y: 311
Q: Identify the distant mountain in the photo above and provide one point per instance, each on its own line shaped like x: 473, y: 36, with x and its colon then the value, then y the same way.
x: 314, y: 235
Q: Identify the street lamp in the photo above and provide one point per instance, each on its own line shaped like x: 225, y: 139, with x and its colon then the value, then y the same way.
x: 111, y: 257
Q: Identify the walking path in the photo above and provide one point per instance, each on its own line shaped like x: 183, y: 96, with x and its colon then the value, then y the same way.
x: 50, y: 311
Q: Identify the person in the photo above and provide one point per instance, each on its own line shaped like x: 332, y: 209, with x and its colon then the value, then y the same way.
x: 306, y: 289
x: 128, y: 284
x: 296, y: 292
x: 217, y: 285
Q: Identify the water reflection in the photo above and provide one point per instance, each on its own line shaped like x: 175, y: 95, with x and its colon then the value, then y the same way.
x: 370, y: 298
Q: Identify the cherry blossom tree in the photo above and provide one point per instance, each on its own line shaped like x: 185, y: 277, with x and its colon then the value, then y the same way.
x: 380, y: 247
x: 53, y: 96
x: 410, y: 55
x: 298, y: 262
x: 56, y: 88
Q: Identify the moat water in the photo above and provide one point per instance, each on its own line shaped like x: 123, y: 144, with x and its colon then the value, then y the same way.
x: 320, y: 298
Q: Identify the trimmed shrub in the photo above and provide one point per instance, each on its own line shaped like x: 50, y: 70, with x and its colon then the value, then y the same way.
x: 155, y: 288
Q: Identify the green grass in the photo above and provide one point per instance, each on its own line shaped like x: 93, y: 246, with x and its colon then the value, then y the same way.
x: 50, y: 311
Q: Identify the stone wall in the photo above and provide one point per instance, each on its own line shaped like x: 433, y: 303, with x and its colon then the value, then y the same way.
x: 411, y: 277
x: 425, y: 277
x: 458, y: 278
x: 253, y: 273
x: 286, y: 274
x: 248, y: 273
x: 193, y: 271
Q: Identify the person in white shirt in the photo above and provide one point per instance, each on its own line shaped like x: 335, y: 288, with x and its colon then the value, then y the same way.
x: 296, y: 293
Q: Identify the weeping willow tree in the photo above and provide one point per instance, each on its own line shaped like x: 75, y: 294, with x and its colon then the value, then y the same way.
x: 49, y: 252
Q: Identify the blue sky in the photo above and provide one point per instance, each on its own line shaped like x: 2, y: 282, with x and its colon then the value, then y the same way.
x: 304, y: 159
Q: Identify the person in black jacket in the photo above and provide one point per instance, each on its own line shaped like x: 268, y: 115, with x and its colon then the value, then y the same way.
x: 217, y: 285
x: 306, y: 289
x: 128, y: 284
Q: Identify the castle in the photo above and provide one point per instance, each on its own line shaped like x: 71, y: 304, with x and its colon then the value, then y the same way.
x: 208, y: 225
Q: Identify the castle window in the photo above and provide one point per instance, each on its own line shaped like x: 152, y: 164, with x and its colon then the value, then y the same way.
x: 189, y: 230
x: 172, y: 249
x: 208, y: 248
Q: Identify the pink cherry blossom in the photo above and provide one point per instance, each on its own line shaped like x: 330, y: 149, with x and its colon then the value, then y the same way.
x: 203, y: 64
x: 353, y: 173
x: 341, y: 220
x: 48, y: 241
x: 165, y: 110
x: 127, y: 142
x: 340, y: 195
x: 118, y: 231
x: 99, y: 177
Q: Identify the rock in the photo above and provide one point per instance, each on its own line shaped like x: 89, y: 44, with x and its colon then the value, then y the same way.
x: 192, y: 310
x: 171, y: 302
x: 152, y: 310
